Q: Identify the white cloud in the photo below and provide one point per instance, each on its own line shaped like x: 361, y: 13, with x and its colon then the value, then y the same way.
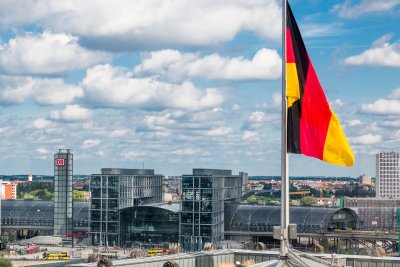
x: 338, y: 103
x: 91, y: 143
x: 257, y: 116
x: 143, y: 23
x: 176, y: 66
x: 235, y: 107
x: 220, y: 131
x: 395, y: 94
x: 55, y: 91
x: 44, y: 91
x: 4, y: 129
x: 395, y: 123
x: 259, y: 119
x: 131, y: 155
x: 108, y: 86
x: 250, y: 135
x: 42, y: 150
x: 382, y: 107
x: 381, y: 53
x: 71, y: 113
x: 46, y: 53
x: 321, y: 30
x: 348, y: 10
x: 366, y: 139
x: 41, y: 124
x: 184, y: 152
x: 274, y: 105
x: 118, y: 133
x: 159, y: 121
x: 353, y: 123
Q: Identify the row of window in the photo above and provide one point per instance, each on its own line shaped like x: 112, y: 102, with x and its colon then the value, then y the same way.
x: 38, y: 222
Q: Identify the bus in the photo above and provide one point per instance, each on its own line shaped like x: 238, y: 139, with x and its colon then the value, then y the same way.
x: 154, y: 252
x: 55, y: 256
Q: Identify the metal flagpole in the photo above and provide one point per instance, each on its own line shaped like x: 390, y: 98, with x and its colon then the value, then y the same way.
x: 284, y: 154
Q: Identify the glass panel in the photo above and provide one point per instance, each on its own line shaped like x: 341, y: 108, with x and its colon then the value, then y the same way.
x: 187, y: 182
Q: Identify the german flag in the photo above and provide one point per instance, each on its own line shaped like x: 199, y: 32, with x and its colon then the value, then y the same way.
x: 313, y: 128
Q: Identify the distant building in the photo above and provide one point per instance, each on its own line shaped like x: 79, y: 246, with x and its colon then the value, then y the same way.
x: 204, y: 196
x: 63, y: 173
x: 30, y: 177
x: 245, y: 179
x: 387, y: 175
x: 8, y: 190
x: 114, y: 190
x: 365, y: 180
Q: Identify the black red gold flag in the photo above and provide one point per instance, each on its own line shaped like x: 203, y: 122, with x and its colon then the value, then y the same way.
x: 313, y: 128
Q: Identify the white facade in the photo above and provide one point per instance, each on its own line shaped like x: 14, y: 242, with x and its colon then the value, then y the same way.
x: 387, y: 175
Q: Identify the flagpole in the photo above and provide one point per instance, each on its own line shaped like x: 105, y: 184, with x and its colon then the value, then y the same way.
x: 284, y: 154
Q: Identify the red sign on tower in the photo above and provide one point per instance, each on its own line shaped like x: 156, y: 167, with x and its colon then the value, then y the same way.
x: 59, y: 162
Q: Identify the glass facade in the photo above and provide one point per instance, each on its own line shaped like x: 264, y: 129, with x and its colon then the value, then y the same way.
x: 149, y: 225
x: 116, y: 189
x: 63, y: 172
x: 204, y: 195
x: 104, y: 216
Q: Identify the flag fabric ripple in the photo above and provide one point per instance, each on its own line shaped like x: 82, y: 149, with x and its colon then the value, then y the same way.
x: 313, y: 128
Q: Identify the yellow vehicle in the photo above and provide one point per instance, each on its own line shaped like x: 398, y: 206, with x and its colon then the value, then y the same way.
x: 154, y: 252
x: 55, y: 256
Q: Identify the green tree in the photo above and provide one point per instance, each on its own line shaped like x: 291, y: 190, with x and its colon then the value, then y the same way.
x: 5, y: 262
x: 252, y: 199
x: 78, y: 195
x: 308, y: 201
x: 25, y: 188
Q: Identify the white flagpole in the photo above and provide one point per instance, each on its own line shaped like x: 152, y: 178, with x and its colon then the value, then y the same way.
x: 284, y: 154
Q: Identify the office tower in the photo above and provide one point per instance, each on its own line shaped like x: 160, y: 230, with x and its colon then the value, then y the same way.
x: 387, y: 175
x: 204, y: 196
x: 63, y: 172
x: 116, y: 189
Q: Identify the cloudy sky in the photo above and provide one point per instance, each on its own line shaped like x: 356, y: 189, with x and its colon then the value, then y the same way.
x: 174, y: 85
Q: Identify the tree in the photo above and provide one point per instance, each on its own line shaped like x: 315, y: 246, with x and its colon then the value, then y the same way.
x: 28, y: 188
x: 78, y: 195
x: 252, y: 199
x: 5, y: 262
x: 308, y: 201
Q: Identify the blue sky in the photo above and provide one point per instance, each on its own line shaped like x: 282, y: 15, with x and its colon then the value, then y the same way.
x: 176, y: 85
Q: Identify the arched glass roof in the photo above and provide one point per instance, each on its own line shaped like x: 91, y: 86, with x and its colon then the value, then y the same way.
x: 307, y: 219
x: 22, y: 212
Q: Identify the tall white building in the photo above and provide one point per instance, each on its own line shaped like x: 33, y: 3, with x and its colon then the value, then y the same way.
x: 387, y: 175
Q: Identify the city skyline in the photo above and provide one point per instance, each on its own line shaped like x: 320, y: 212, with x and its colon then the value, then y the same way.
x: 180, y: 85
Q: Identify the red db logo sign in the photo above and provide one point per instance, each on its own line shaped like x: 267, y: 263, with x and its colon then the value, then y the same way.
x: 60, y: 162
